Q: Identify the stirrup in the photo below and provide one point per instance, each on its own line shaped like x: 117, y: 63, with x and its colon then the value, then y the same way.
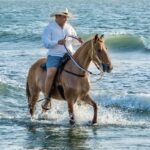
x: 45, y: 107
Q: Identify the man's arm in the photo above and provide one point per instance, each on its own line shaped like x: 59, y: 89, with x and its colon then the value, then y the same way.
x: 46, y: 38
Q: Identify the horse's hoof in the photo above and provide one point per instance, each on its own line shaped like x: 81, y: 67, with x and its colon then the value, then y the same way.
x: 92, y: 123
x: 31, y: 112
x: 72, y: 122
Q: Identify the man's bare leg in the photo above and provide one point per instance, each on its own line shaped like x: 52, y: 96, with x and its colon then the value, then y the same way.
x: 51, y: 72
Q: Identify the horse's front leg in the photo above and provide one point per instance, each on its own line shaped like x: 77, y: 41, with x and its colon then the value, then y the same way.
x: 71, y: 112
x: 90, y: 101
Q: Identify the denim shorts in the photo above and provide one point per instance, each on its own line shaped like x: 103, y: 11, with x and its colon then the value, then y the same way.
x: 53, y: 61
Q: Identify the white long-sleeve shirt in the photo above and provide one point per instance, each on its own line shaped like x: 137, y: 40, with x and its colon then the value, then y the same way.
x: 52, y: 34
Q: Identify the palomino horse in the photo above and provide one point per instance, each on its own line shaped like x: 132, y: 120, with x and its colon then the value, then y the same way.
x: 73, y: 80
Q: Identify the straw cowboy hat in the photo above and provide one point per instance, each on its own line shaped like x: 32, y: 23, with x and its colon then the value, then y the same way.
x: 63, y: 13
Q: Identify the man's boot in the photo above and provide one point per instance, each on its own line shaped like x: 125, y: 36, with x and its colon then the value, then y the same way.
x: 47, y: 104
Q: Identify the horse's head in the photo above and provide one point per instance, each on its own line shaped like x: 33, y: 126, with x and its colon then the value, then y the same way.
x: 100, y: 54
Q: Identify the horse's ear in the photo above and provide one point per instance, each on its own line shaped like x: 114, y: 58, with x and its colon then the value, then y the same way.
x: 102, y: 36
x: 96, y: 38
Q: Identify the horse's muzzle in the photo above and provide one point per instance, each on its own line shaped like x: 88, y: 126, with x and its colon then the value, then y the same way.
x: 107, y: 68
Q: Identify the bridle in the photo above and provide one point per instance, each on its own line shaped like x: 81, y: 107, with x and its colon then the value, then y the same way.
x: 78, y: 65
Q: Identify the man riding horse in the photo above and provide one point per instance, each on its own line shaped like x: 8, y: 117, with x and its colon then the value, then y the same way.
x: 73, y: 79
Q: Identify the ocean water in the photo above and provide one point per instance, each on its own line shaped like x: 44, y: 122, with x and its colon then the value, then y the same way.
x: 123, y: 96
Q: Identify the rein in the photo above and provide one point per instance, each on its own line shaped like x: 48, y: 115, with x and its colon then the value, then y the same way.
x: 78, y: 65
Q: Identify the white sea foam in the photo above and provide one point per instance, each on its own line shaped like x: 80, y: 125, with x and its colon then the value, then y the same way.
x: 108, y: 114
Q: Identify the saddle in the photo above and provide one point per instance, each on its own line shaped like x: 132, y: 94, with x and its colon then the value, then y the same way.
x: 56, y: 82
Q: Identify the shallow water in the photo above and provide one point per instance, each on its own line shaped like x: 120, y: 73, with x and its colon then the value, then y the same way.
x: 123, y: 96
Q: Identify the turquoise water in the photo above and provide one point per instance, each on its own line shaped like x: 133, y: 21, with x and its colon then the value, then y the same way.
x: 123, y: 97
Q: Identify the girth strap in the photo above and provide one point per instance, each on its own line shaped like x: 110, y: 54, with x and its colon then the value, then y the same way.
x: 78, y: 75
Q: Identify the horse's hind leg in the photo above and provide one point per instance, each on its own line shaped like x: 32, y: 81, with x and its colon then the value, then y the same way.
x: 90, y: 101
x: 33, y: 100
x: 32, y: 95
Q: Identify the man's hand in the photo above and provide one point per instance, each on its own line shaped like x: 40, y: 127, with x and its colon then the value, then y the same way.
x: 62, y: 42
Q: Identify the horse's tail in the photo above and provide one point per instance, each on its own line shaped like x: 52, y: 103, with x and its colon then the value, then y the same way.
x: 28, y: 94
